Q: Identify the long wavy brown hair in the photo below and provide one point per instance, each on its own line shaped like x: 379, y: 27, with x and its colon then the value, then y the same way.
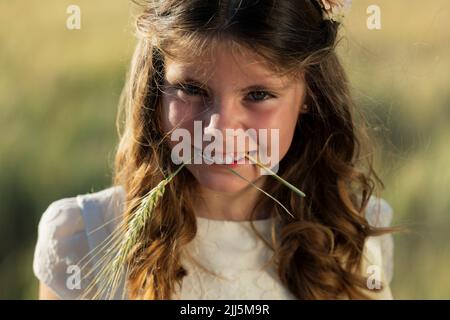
x: 317, y: 253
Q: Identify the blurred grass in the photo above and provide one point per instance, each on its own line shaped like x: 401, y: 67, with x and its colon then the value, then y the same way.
x: 400, y: 77
x: 58, y: 100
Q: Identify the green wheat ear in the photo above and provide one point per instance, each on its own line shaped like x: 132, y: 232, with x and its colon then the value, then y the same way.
x: 273, y: 174
x: 128, y: 235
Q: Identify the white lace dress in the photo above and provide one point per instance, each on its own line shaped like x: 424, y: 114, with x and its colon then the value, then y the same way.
x: 71, y: 227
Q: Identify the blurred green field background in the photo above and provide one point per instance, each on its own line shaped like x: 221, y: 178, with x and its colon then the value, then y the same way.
x: 59, y: 90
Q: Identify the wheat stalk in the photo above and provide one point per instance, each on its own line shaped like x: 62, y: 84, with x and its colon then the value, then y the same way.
x: 263, y: 191
x: 273, y: 174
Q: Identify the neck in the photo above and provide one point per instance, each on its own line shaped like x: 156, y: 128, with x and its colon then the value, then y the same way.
x: 236, y: 206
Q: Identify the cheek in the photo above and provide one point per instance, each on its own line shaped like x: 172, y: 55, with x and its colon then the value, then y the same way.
x: 283, y: 119
x: 176, y: 114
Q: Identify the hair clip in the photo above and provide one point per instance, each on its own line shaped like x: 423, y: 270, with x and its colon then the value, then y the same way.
x: 335, y: 10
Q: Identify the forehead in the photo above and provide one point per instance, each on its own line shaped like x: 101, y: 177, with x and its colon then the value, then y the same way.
x: 234, y: 61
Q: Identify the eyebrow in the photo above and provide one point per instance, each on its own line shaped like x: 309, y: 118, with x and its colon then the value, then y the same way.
x: 255, y: 87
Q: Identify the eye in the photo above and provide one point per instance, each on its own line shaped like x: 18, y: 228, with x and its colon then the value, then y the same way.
x: 191, y: 90
x: 260, y: 95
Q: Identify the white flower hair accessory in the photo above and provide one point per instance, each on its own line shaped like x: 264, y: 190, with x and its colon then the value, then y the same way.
x: 335, y: 10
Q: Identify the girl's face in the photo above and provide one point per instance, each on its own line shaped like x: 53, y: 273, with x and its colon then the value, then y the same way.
x: 234, y: 91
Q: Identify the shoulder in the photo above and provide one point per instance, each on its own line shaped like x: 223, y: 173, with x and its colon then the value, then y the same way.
x: 68, y: 216
x: 68, y: 230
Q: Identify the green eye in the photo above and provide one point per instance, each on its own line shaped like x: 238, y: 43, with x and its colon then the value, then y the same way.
x: 191, y: 90
x: 260, y: 95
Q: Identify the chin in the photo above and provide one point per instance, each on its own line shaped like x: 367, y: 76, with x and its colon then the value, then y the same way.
x: 220, y: 179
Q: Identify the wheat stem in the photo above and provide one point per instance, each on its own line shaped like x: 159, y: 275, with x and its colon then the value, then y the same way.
x: 273, y: 174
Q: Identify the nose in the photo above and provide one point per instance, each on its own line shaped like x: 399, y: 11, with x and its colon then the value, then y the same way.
x: 224, y: 117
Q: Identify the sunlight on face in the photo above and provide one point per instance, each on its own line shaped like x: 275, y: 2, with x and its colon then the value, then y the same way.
x: 237, y: 91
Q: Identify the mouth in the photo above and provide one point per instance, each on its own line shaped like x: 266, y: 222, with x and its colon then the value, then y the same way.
x: 228, y: 159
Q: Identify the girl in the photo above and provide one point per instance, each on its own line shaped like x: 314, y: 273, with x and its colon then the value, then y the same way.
x: 224, y: 229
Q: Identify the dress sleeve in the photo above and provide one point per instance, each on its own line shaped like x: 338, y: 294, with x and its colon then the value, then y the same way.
x: 61, y: 244
x: 379, y: 250
x: 379, y: 214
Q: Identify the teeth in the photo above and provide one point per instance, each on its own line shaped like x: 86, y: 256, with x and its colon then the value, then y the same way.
x: 253, y: 153
x: 229, y: 158
x: 220, y: 159
x: 240, y: 158
x: 208, y: 160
